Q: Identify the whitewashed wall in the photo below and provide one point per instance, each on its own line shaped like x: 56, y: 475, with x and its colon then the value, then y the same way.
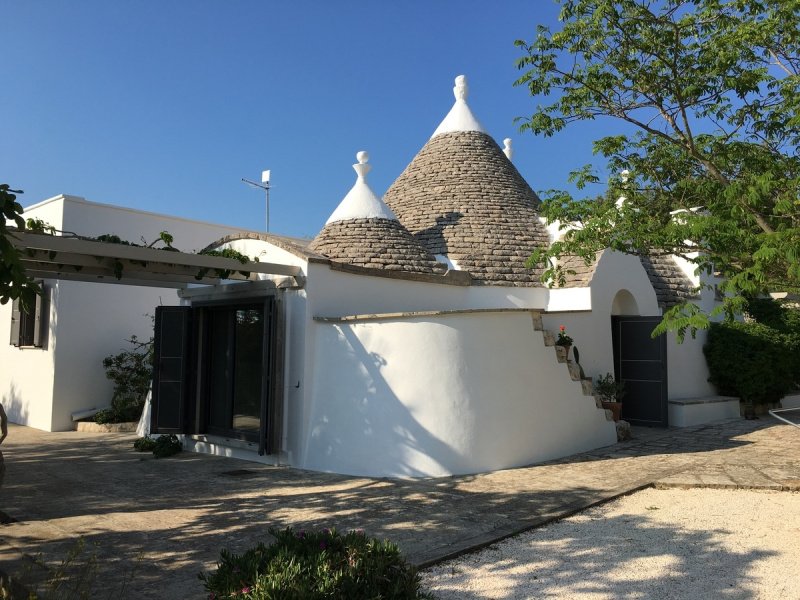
x: 26, y: 375
x: 334, y: 293
x: 453, y: 394
x: 615, y: 275
x: 589, y: 324
x: 88, y: 321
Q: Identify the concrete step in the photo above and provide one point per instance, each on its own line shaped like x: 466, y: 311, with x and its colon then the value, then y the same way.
x: 537, y: 321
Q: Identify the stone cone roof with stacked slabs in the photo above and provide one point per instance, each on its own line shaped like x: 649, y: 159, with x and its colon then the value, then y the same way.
x: 376, y: 243
x: 462, y: 197
x: 670, y: 283
x: 576, y: 272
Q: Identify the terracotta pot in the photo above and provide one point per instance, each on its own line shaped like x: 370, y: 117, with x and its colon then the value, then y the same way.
x: 614, y: 407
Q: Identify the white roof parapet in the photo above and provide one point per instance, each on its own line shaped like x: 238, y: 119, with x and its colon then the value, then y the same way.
x: 361, y: 202
x: 507, y: 149
x: 460, y: 117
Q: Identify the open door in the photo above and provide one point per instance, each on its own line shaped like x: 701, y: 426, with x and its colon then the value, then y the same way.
x: 171, y: 362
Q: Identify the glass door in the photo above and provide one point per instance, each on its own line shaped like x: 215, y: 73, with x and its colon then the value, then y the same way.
x: 234, y: 368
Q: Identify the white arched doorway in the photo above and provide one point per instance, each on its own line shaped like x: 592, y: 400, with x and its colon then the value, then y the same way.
x: 624, y: 304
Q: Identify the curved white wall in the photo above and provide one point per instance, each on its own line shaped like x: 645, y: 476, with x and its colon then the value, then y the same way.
x: 454, y: 394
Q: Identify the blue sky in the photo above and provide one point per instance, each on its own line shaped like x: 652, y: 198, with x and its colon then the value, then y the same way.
x: 165, y: 106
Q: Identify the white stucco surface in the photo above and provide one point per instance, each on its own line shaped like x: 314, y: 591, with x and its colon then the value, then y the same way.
x: 87, y: 321
x: 446, y: 395
x: 335, y: 294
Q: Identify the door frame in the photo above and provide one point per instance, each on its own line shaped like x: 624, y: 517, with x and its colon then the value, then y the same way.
x: 193, y: 404
x: 661, y: 341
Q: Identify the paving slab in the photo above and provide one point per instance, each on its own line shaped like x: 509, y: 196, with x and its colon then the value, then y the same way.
x: 166, y: 520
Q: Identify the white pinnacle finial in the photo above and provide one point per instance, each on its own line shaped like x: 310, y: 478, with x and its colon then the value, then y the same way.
x: 507, y: 149
x: 361, y: 202
x: 362, y: 168
x: 624, y: 175
x: 460, y: 117
x: 461, y: 90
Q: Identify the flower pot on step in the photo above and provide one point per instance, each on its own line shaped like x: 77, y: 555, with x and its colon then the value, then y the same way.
x: 562, y: 352
x: 614, y: 407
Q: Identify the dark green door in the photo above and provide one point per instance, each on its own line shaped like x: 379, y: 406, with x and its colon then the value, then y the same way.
x: 640, y: 362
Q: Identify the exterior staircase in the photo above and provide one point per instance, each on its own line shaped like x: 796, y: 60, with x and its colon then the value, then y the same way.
x: 572, y: 367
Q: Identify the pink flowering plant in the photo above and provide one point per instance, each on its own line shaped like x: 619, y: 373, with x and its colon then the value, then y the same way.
x: 563, y: 339
x: 310, y: 565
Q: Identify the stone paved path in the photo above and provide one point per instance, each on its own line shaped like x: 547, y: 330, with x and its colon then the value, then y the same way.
x: 174, y: 515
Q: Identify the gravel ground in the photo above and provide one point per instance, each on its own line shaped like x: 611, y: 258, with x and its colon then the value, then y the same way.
x: 655, y: 544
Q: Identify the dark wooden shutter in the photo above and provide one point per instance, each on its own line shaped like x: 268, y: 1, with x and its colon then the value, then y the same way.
x: 272, y: 378
x: 171, y: 368
x: 278, y: 348
x: 16, y: 315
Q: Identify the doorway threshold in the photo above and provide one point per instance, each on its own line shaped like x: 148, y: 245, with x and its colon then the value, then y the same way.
x: 218, y: 445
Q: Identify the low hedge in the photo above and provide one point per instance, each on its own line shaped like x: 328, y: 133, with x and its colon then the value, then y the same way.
x: 311, y: 565
x: 757, y: 360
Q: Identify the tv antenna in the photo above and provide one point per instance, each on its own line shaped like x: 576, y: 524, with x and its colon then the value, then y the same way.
x: 264, y: 185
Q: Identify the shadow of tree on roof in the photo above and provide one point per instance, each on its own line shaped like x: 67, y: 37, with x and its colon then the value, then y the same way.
x: 433, y: 237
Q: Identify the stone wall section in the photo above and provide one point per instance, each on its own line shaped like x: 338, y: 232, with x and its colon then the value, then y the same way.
x: 374, y: 243
x: 462, y: 197
x: 670, y: 283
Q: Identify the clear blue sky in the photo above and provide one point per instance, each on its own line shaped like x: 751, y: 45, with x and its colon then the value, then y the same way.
x: 165, y: 106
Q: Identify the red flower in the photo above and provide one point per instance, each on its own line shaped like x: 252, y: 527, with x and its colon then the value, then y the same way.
x: 562, y: 328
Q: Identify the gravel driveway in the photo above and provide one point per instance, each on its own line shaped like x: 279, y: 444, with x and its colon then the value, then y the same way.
x: 655, y: 544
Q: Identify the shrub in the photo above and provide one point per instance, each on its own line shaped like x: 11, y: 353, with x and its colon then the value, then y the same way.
x: 167, y: 445
x: 609, y: 389
x: 753, y: 361
x: 314, y: 565
x: 131, y: 372
x: 144, y: 444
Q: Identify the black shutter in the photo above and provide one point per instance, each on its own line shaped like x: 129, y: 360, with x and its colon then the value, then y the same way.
x: 16, y: 315
x: 170, y: 369
x: 266, y: 438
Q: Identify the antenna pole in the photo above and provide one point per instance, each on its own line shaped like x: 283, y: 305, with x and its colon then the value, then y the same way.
x: 264, y: 185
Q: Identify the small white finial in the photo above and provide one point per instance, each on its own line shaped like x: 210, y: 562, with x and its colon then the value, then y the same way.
x: 460, y: 91
x: 362, y: 168
x: 361, y: 202
x: 507, y: 149
x: 624, y: 175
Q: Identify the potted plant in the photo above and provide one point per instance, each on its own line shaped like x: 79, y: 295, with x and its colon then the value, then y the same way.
x: 610, y: 391
x: 563, y: 342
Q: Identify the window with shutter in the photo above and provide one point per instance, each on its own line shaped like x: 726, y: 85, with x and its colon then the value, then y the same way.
x: 27, y: 320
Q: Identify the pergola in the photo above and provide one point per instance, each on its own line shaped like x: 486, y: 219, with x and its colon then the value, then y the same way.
x: 47, y: 256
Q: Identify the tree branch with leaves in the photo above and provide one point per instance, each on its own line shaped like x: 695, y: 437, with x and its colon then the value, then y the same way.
x: 711, y: 91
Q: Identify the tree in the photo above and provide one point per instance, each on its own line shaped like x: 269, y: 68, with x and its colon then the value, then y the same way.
x: 13, y: 280
x: 707, y: 96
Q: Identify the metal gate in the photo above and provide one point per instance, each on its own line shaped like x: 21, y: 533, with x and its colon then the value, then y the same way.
x: 640, y: 362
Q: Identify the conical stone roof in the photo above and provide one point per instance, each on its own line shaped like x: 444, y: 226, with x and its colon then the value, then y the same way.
x: 462, y: 197
x: 364, y: 232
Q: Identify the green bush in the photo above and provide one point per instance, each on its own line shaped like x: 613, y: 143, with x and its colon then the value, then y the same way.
x: 314, y: 565
x: 144, y: 444
x: 753, y: 361
x: 131, y: 372
x: 167, y: 445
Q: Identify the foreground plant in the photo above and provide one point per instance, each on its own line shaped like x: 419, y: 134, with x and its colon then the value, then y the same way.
x: 309, y: 565
x: 706, y: 97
